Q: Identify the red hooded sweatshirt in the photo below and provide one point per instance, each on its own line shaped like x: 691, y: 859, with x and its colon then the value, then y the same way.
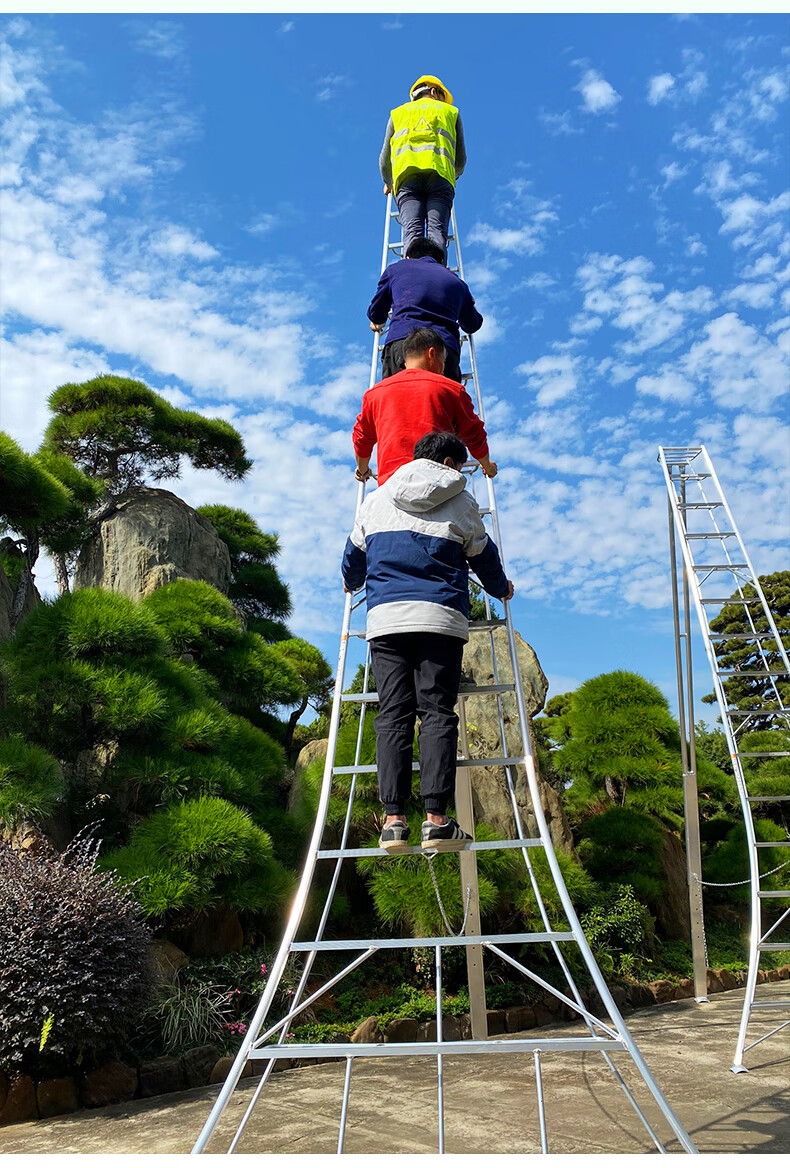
x: 400, y: 410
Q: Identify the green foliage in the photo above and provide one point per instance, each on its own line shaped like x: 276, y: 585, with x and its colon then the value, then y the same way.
x: 620, y: 931
x: 746, y: 692
x: 119, y: 431
x: 198, y: 853
x: 199, y: 621
x: 30, y: 494
x: 66, y: 533
x: 189, y: 1015
x: 616, y: 743
x: 404, y: 896
x: 256, y: 587
x: 727, y: 863
x: 477, y: 604
x: 712, y: 746
x: 31, y: 782
x: 621, y: 846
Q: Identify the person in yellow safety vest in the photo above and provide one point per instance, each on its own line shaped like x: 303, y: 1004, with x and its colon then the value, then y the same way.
x: 422, y: 156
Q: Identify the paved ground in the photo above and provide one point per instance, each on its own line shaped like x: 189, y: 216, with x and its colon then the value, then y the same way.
x: 490, y: 1101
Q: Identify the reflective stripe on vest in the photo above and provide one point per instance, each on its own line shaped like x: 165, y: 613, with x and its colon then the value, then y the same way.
x: 423, y: 138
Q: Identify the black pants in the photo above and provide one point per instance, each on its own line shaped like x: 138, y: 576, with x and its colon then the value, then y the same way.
x: 416, y: 674
x: 392, y: 361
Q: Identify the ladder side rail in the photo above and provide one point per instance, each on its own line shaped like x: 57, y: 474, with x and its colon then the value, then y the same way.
x: 300, y: 900
x: 755, y: 583
x: 740, y: 781
x: 384, y: 259
x: 747, y: 560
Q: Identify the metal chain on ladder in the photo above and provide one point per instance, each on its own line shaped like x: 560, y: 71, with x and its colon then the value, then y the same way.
x: 435, y: 883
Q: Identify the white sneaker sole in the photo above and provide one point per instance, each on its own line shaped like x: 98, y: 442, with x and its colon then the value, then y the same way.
x: 440, y: 845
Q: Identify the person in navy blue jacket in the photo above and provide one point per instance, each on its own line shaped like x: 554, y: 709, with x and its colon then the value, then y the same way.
x: 412, y: 546
x: 422, y: 293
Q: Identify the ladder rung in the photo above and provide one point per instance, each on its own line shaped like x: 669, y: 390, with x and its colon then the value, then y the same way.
x: 428, y: 942
x: 486, y: 624
x: 697, y: 506
x: 729, y: 599
x: 772, y: 946
x: 741, y: 636
x: 764, y: 753
x: 774, y: 894
x: 464, y: 691
x: 477, y: 846
x: 772, y: 843
x: 772, y: 1005
x: 752, y: 672
x: 485, y: 510
x: 400, y: 1049
x: 718, y: 567
x: 761, y: 713
x: 690, y: 478
x: 711, y: 535
x: 768, y: 798
x: 371, y: 768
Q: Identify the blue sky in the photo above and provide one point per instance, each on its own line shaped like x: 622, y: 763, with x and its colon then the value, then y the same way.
x: 195, y: 201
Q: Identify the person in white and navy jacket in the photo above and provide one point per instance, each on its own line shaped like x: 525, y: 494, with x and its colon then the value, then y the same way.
x: 413, y: 543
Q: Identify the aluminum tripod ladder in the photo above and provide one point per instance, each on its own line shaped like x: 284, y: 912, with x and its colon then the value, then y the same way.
x: 718, y: 575
x: 264, y: 1039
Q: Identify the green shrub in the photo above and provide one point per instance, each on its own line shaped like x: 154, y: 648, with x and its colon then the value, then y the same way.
x: 198, y: 853
x: 73, y: 952
x: 727, y: 864
x: 620, y: 931
x: 621, y: 846
x: 31, y: 782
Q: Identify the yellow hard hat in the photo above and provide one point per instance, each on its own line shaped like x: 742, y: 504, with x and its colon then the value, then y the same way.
x: 435, y: 83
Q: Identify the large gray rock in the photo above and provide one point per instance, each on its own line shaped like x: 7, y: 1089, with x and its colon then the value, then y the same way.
x: 312, y: 751
x: 150, y: 538
x: 489, y: 786
x: 672, y: 907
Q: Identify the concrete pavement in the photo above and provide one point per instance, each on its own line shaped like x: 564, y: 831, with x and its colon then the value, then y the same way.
x: 490, y: 1101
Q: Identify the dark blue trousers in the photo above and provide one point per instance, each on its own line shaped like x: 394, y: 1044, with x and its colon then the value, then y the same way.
x: 425, y: 200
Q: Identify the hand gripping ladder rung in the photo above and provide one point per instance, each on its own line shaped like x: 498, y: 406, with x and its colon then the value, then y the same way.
x: 606, y: 1034
x: 695, y: 498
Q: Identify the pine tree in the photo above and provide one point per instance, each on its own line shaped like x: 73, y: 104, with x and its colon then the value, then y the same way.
x: 256, y: 587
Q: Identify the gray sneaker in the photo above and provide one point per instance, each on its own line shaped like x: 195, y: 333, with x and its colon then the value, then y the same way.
x: 395, y: 838
x: 447, y: 838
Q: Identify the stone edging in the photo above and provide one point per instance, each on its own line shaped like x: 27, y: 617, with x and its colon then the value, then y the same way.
x: 21, y: 1100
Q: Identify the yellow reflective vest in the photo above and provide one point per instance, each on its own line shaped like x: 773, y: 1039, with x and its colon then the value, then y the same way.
x: 423, y: 138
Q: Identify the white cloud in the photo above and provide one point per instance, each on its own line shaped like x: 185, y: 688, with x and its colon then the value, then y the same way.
x: 552, y: 378
x: 177, y: 241
x: 695, y: 246
x: 558, y: 124
x: 752, y: 295
x: 528, y: 239
x: 672, y: 172
x: 753, y: 222
x: 264, y: 223
x: 598, y: 96
x: 668, y: 386
x: 741, y: 366
x: 620, y: 291
x: 287, y: 26
x: 162, y: 38
x: 659, y: 87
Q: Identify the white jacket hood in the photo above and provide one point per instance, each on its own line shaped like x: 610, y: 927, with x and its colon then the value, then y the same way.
x: 421, y: 485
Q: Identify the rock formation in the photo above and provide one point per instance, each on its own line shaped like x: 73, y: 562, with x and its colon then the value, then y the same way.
x: 489, y: 786
x: 150, y: 538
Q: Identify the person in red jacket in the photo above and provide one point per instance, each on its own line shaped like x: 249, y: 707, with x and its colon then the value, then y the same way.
x: 399, y: 410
